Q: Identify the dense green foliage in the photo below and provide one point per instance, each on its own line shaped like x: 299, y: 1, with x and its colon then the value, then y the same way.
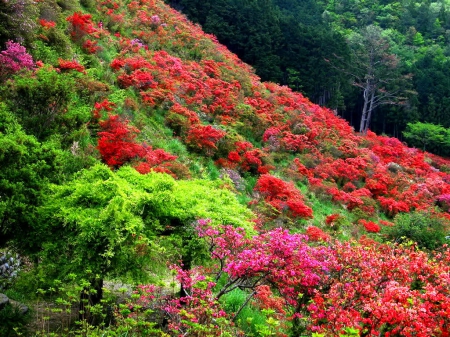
x: 420, y: 227
x: 429, y: 137
x: 111, y: 223
x: 27, y: 166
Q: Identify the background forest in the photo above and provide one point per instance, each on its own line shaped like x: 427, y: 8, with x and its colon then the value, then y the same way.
x: 321, y: 48
x: 152, y: 185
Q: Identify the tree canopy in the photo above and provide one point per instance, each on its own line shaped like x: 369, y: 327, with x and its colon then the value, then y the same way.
x: 108, y: 223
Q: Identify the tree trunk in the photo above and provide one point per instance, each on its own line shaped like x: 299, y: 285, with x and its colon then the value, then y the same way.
x: 364, y: 111
x: 298, y: 326
x: 369, y: 113
x: 186, y: 261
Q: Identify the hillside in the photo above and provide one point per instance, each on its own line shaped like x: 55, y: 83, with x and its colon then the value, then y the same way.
x: 135, y: 148
x: 322, y: 48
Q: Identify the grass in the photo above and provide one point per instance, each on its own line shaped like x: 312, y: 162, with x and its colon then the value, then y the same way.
x: 249, y: 318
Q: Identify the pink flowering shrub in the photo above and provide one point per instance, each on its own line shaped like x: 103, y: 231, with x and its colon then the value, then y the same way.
x: 13, y: 59
x: 278, y: 258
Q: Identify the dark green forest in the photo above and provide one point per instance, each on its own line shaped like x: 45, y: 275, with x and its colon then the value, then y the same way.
x: 321, y: 48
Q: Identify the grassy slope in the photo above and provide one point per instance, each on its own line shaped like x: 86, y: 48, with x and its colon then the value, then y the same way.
x: 168, y: 79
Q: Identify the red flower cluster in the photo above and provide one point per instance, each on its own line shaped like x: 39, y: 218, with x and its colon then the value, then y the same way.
x: 47, y: 24
x: 316, y: 234
x: 370, y: 226
x: 81, y: 25
x: 70, y: 65
x: 117, y: 146
x: 331, y: 219
x: 283, y: 196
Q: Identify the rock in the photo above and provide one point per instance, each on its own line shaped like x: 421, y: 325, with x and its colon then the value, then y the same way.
x: 4, y: 300
x: 23, y: 309
x: 394, y: 167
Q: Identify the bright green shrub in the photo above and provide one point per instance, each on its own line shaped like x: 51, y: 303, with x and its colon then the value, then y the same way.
x: 109, y: 222
x: 26, y: 167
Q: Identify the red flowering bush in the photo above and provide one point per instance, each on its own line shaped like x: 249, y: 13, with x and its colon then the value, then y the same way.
x: 392, y: 206
x: 47, y: 24
x: 385, y: 291
x: 105, y: 105
x: 91, y: 46
x: 71, y: 65
x: 266, y: 299
x: 204, y: 137
x: 386, y: 223
x: 333, y: 220
x: 156, y: 160
x: 116, y: 142
x: 81, y: 25
x: 316, y: 234
x: 370, y: 226
x: 181, y: 119
x: 283, y: 196
x: 117, y: 146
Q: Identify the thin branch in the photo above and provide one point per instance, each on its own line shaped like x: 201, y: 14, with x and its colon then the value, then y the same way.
x: 249, y: 297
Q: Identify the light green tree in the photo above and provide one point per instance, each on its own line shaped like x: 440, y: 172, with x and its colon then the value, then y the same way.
x: 110, y: 224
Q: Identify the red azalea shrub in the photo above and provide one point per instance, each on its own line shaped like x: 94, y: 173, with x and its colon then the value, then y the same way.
x: 351, y: 200
x: 204, y: 137
x: 117, y: 146
x: 246, y: 158
x: 156, y: 160
x: 383, y: 290
x: 331, y: 219
x: 266, y: 299
x: 116, y: 142
x: 91, y: 46
x: 283, y: 196
x: 316, y: 234
x: 392, y: 206
x: 370, y: 226
x: 71, y: 65
x: 81, y: 25
x: 386, y: 223
x: 302, y: 169
x: 180, y: 119
x: 47, y: 24
x: 104, y: 105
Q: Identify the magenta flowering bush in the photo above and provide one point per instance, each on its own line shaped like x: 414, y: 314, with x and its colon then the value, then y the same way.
x: 13, y: 59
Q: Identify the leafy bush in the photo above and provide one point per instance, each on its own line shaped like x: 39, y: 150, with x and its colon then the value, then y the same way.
x: 40, y: 101
x: 428, y: 137
x: 12, y: 321
x: 426, y: 229
x: 17, y: 20
x: 26, y: 166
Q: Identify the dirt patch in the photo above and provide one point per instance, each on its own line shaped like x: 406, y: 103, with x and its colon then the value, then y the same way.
x: 49, y: 317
